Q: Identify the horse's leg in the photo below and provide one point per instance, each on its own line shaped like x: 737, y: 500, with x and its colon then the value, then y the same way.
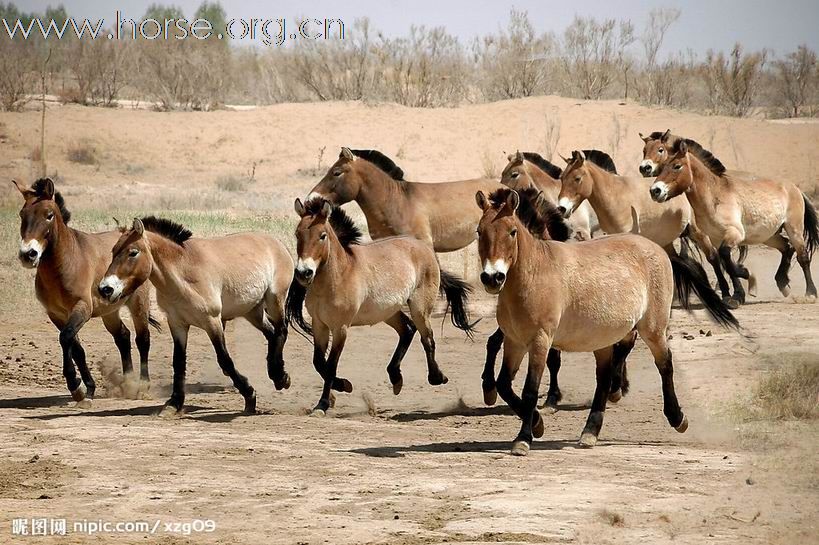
x: 619, y: 373
x: 795, y: 226
x: 493, y: 346
x: 274, y: 305
x: 402, y: 325
x: 594, y: 422
x: 531, y: 421
x: 658, y: 345
x: 275, y: 363
x: 339, y: 338
x: 179, y: 334
x: 704, y: 243
x: 782, y: 277
x: 321, y: 340
x: 420, y: 317
x: 122, y: 338
x: 217, y: 338
x: 80, y: 389
x: 512, y: 357
x: 78, y: 354
x: 554, y: 395
x: 140, y: 308
x: 734, y: 270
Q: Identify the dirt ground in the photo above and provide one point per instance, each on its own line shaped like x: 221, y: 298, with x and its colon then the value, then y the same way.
x: 428, y: 466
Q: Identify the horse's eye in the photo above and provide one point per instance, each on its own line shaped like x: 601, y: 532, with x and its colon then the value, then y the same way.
x: 515, y: 175
x: 50, y: 216
x: 133, y: 252
x: 577, y: 178
x: 322, y: 236
x: 337, y: 173
x: 513, y: 232
x: 677, y: 167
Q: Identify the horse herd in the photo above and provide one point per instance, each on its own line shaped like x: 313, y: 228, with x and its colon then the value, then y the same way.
x: 558, y: 288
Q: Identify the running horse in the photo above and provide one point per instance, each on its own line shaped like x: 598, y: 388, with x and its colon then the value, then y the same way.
x: 70, y: 263
x: 204, y: 283
x: 345, y: 283
x: 557, y: 295
x: 734, y: 211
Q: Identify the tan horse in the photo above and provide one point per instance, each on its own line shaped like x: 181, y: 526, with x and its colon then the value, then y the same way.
x: 436, y: 213
x: 205, y: 283
x: 344, y: 283
x: 528, y: 169
x: 734, y: 211
x: 70, y: 263
x: 553, y: 294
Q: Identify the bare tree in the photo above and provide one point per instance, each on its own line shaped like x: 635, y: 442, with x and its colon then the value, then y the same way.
x: 798, y: 81
x: 733, y: 81
x: 655, y: 84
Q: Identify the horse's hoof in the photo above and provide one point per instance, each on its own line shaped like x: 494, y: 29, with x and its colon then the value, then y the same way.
x: 437, y: 380
x: 79, y: 394
x: 520, y: 448
x: 550, y: 407
x: 616, y: 395
x: 587, y: 439
x: 250, y: 404
x: 732, y: 303
x: 538, y: 427
x: 490, y: 397
x: 396, y: 386
x: 283, y: 383
x: 346, y: 386
x: 318, y: 413
x: 752, y: 286
x: 683, y: 425
x: 169, y: 411
x: 144, y: 390
x: 332, y: 400
x: 785, y: 291
x: 86, y: 403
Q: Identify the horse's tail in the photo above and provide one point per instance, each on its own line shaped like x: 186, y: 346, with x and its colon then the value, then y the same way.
x: 743, y: 253
x: 690, y: 276
x: 294, y: 308
x: 154, y: 323
x: 811, y: 227
x: 687, y: 247
x: 457, y: 293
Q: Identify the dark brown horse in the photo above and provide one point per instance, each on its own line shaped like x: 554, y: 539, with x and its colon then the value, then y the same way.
x: 70, y: 263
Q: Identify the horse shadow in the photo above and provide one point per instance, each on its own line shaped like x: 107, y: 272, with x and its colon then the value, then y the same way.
x: 41, y: 402
x: 467, y: 411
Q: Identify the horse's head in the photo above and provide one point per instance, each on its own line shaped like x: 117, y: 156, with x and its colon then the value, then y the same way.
x: 676, y: 176
x: 314, y: 235
x: 576, y: 184
x: 655, y: 153
x: 516, y: 174
x: 497, y: 236
x: 131, y: 264
x: 342, y: 182
x: 42, y: 214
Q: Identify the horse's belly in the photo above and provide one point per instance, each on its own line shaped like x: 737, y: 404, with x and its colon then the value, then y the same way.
x: 381, y: 304
x: 239, y: 298
x: 760, y: 226
x: 593, y: 328
x: 450, y: 241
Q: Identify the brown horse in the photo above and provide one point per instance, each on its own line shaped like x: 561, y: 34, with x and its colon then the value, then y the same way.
x: 70, y: 263
x: 529, y: 169
x: 435, y: 213
x: 559, y: 295
x: 735, y: 211
x: 344, y: 283
x: 205, y: 283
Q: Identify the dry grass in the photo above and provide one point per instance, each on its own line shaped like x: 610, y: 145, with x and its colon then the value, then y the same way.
x: 83, y: 152
x: 790, y: 391
x: 231, y: 183
x: 489, y: 166
x: 612, y: 518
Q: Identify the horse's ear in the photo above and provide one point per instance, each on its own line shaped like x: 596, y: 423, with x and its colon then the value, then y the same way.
x: 346, y: 154
x: 24, y: 191
x: 664, y: 137
x: 326, y: 209
x: 138, y: 227
x: 512, y: 200
x: 578, y: 156
x: 645, y: 139
x: 483, y: 202
x: 564, y: 158
x: 519, y: 157
x: 298, y: 206
x: 510, y: 157
x: 682, y: 148
x: 48, y: 190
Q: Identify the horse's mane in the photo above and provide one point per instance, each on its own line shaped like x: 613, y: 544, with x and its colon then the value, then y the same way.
x: 381, y: 161
x: 171, y: 230
x: 707, y: 158
x: 536, y: 213
x: 549, y: 168
x: 601, y: 159
x: 39, y: 187
x: 345, y: 228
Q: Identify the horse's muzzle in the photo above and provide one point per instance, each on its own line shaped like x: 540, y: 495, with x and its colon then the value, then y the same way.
x: 30, y: 258
x: 646, y: 170
x: 493, y: 283
x: 305, y: 277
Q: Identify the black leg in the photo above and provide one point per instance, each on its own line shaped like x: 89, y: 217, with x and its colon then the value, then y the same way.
x: 671, y: 407
x: 553, y: 396
x: 68, y: 336
x: 716, y: 262
x: 320, y: 365
x: 435, y: 376
x: 804, y: 261
x: 276, y: 336
x: 180, y: 346
x: 735, y: 272
x: 619, y: 372
x: 493, y: 346
x: 143, y: 343
x: 601, y: 393
x: 782, y: 278
x: 78, y: 354
x: 406, y: 331
x: 339, y: 338
x: 229, y: 368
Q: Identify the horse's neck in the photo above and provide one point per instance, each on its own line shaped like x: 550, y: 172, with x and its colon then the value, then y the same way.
x: 166, y: 257
x: 604, y: 200
x: 381, y: 199
x: 62, y: 253
x: 545, y: 183
x: 335, y: 271
x: 533, y: 261
x: 703, y: 189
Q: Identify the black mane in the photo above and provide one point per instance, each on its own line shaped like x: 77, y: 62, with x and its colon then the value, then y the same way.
x: 601, y: 159
x: 657, y: 135
x: 549, y: 168
x: 39, y: 187
x: 707, y: 158
x: 343, y: 225
x: 536, y: 213
x: 171, y: 230
x: 381, y: 161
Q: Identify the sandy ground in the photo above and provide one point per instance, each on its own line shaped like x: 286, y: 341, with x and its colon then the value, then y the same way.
x: 428, y: 466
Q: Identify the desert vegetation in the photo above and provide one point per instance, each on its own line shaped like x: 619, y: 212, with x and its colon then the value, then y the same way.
x: 428, y: 67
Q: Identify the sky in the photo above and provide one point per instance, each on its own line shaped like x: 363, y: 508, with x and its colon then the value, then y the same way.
x: 779, y: 25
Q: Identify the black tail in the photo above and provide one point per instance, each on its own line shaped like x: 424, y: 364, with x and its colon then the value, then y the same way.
x: 690, y: 276
x: 743, y: 253
x: 686, y: 246
x: 811, y: 227
x: 154, y: 323
x: 294, y: 309
x: 457, y: 293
